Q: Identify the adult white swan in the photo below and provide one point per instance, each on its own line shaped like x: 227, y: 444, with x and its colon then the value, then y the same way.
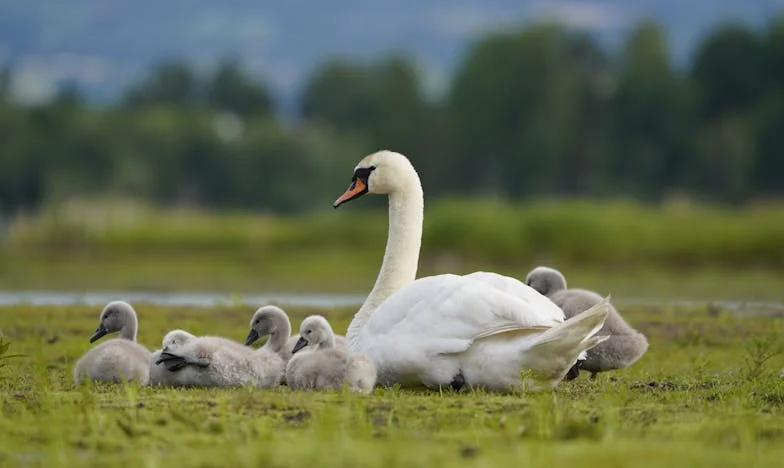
x: 481, y: 330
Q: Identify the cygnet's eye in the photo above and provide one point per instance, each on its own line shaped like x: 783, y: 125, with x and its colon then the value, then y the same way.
x: 308, y: 332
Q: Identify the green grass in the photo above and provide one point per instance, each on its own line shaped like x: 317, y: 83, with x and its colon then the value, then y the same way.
x: 708, y: 393
x: 626, y: 249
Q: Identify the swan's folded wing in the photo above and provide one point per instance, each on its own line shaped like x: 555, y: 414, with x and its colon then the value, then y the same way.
x: 517, y: 288
x: 454, y: 307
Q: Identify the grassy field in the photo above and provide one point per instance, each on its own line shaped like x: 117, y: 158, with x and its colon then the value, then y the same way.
x: 629, y: 250
x: 708, y: 393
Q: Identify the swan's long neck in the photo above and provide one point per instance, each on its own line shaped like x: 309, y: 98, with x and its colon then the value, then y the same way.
x: 129, y: 327
x: 328, y: 343
x: 401, y: 257
x: 280, y: 336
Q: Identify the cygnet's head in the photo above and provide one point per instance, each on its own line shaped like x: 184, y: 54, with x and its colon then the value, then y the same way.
x: 175, y: 339
x: 114, y: 316
x: 546, y: 280
x: 315, y: 331
x: 266, y: 321
x: 381, y: 173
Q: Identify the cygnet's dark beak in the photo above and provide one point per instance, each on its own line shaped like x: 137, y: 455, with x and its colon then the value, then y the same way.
x: 301, y: 343
x: 98, y: 333
x: 253, y: 335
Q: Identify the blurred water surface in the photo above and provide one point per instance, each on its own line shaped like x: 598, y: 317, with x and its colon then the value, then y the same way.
x: 211, y: 299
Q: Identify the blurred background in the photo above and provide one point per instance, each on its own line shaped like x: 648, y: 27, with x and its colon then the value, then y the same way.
x: 198, y: 145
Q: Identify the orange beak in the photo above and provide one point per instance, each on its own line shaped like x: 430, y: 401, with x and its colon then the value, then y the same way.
x: 355, y: 190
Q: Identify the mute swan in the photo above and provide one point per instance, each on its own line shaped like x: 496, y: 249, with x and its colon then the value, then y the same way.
x: 625, y: 344
x: 481, y: 329
x: 273, y: 321
x: 119, y: 359
x: 211, y: 361
x: 318, y: 364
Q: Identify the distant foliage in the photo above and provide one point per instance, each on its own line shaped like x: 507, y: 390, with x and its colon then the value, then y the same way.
x: 603, y: 235
x: 534, y: 112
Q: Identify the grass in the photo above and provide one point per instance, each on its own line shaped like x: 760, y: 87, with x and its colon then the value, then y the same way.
x: 708, y: 393
x: 627, y: 249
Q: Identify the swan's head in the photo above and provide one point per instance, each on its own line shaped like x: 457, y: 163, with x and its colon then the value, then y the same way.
x: 175, y: 339
x: 315, y: 331
x: 546, y: 280
x: 113, y: 317
x: 381, y: 173
x: 266, y: 321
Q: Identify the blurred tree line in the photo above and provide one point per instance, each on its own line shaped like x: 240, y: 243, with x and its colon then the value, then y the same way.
x: 539, y: 111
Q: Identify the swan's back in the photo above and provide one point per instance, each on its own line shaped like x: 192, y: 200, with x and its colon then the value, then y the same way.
x: 115, y: 360
x: 518, y: 289
x: 462, y: 307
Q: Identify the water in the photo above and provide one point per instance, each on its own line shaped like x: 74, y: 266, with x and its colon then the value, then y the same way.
x: 209, y: 299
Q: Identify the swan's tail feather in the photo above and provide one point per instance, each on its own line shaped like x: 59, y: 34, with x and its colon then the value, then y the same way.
x: 559, y: 348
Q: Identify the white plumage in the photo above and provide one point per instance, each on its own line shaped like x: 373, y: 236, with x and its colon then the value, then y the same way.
x: 481, y: 329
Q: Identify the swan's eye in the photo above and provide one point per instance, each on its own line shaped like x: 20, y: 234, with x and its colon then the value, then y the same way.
x: 363, y: 173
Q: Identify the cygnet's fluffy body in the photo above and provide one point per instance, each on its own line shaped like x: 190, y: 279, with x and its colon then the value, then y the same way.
x: 318, y: 364
x: 117, y: 360
x: 624, y: 346
x: 159, y: 374
x: 211, y: 361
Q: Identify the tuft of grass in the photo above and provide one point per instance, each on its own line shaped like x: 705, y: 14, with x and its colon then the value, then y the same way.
x: 707, y: 393
x: 4, y: 354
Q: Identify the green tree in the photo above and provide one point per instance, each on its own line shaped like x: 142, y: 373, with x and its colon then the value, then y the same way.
x: 399, y: 112
x: 69, y: 95
x: 724, y: 159
x: 171, y: 82
x: 727, y: 71
x: 21, y: 167
x: 515, y: 107
x: 772, y: 56
x: 652, y: 118
x: 5, y: 84
x: 340, y: 94
x: 231, y: 88
x: 768, y: 165
x: 580, y: 170
x: 380, y: 101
